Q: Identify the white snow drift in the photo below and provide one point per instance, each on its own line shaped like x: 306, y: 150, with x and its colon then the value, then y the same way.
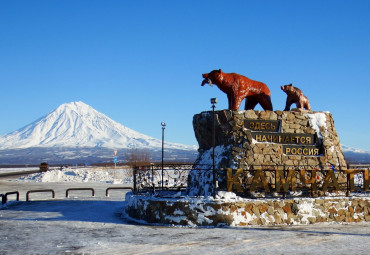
x: 81, y: 175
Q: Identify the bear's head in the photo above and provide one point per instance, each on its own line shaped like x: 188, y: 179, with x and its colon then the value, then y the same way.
x: 212, y: 77
x: 287, y: 88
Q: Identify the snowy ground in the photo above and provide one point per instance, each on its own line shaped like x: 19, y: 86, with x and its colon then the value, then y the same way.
x: 83, y: 224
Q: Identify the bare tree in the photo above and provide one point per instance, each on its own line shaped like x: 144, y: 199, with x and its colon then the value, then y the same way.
x: 137, y: 157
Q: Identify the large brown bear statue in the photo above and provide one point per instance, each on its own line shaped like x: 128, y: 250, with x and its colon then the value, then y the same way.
x: 237, y: 87
x: 295, y: 95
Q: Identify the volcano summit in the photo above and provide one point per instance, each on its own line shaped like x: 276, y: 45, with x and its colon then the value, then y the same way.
x: 76, y: 126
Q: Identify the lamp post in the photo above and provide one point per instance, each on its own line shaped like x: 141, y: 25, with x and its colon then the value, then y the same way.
x: 163, y: 128
x: 213, y: 102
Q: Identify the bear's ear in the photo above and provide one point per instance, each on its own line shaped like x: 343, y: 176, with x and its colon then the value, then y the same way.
x: 290, y: 84
x: 219, y: 70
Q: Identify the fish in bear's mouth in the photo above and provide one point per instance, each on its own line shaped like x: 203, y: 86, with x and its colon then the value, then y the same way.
x: 207, y: 80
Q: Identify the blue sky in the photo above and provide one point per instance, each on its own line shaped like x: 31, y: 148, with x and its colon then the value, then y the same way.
x: 140, y: 62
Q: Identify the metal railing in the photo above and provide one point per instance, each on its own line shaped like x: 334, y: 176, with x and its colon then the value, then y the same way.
x: 70, y: 189
x: 274, y: 180
x: 4, y: 197
x: 157, y: 177
x: 116, y: 188
x: 38, y: 191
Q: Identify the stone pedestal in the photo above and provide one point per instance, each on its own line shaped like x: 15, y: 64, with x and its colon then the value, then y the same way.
x: 262, y: 139
x: 244, y: 212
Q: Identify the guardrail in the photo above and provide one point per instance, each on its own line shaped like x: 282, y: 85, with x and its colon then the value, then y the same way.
x: 4, y: 197
x: 92, y: 191
x: 116, y: 188
x: 39, y: 190
x: 3, y: 175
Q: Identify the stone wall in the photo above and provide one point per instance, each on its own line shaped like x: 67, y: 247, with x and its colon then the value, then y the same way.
x: 239, y: 146
x: 244, y: 151
x: 243, y: 212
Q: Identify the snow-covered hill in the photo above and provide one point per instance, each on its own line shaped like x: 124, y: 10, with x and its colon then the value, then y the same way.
x: 353, y: 150
x: 353, y: 155
x: 77, y: 124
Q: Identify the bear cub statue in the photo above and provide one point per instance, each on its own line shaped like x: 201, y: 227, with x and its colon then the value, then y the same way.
x: 295, y: 95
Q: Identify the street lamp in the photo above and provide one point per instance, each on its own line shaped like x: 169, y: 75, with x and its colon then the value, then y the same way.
x: 213, y: 102
x: 163, y: 128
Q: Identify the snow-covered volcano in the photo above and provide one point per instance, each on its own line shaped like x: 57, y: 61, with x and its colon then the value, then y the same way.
x: 77, y: 124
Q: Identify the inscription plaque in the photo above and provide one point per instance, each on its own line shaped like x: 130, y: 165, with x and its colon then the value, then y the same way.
x: 302, y: 150
x: 284, y: 138
x: 269, y: 131
x: 262, y: 125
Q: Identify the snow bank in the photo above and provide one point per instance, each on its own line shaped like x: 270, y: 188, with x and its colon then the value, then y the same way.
x: 94, y: 175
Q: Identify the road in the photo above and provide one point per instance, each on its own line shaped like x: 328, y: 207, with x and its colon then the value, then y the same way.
x: 83, y: 224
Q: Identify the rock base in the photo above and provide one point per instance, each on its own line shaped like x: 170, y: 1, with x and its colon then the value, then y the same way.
x: 229, y: 210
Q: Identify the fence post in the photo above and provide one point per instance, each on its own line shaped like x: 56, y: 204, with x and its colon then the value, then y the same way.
x: 366, y: 179
x: 284, y: 194
x: 3, y: 199
x: 153, y: 185
x: 135, y: 172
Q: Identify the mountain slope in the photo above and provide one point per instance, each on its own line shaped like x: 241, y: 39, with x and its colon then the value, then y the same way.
x: 355, y: 155
x: 77, y: 124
